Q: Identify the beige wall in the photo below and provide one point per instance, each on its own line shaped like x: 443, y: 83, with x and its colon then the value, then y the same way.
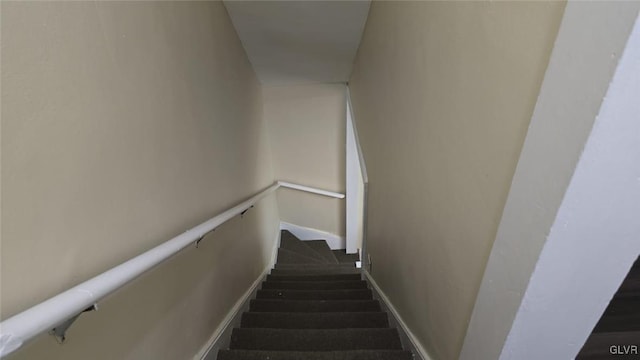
x: 307, y: 135
x: 568, y: 104
x: 124, y: 124
x: 442, y: 95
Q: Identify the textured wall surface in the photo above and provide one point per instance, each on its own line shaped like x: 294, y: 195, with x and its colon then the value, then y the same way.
x: 563, y: 119
x: 307, y: 125
x: 123, y: 125
x: 442, y: 94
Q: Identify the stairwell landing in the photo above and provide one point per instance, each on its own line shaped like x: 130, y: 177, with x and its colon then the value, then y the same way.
x: 314, y: 305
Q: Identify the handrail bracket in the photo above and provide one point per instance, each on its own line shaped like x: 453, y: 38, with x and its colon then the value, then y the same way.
x: 245, y: 211
x: 203, y: 236
x: 60, y: 331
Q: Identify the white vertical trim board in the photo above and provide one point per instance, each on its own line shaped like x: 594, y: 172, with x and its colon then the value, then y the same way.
x: 591, y: 37
x: 409, y: 340
x: 221, y: 337
x: 353, y: 212
x: 594, y: 239
x: 335, y: 242
x: 356, y: 180
x: 350, y: 116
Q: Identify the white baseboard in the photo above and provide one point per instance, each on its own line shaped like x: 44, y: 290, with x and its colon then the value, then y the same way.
x: 336, y: 242
x: 222, y: 335
x: 409, y: 341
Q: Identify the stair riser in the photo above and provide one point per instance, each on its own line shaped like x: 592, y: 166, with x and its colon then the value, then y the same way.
x: 313, y: 265
x: 314, y: 272
x: 315, y: 320
x: 335, y: 277
x: 315, y: 340
x: 292, y: 258
x: 314, y: 285
x: 314, y: 306
x: 362, y: 294
x: 328, y: 355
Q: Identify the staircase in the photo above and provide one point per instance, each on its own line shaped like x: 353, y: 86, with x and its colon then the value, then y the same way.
x: 619, y: 326
x: 314, y: 305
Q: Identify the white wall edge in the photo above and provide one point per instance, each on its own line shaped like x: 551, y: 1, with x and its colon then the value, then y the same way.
x: 409, y: 340
x: 221, y: 337
x: 356, y: 184
x: 597, y: 223
x: 567, y: 105
x: 336, y: 242
x: 351, y: 117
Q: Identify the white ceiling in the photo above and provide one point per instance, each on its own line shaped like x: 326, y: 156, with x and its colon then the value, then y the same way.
x: 294, y: 42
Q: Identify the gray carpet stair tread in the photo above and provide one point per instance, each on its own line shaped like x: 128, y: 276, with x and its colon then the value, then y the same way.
x: 277, y: 305
x: 613, y: 323
x: 315, y: 285
x: 345, y: 258
x: 349, y: 294
x: 312, y: 272
x: 314, y: 355
x: 318, y: 277
x: 292, y: 258
x: 326, y: 320
x: 323, y: 249
x: 300, y: 247
x: 623, y: 306
x: 288, y: 234
x: 311, y: 264
x: 315, y: 339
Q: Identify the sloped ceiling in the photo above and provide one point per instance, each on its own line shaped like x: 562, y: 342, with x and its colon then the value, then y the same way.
x: 296, y: 42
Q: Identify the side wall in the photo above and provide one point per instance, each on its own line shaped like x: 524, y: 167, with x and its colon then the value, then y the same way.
x: 591, y: 39
x: 307, y: 135
x: 442, y: 95
x: 124, y: 124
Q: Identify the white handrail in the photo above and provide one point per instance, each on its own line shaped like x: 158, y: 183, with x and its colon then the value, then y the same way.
x: 20, y: 328
x: 311, y: 190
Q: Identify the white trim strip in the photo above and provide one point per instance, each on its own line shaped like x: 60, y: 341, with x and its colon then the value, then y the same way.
x: 357, y: 181
x: 221, y: 337
x: 409, y: 340
x: 311, y: 189
x: 363, y: 166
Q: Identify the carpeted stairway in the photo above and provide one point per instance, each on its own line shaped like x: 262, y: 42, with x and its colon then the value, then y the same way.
x: 314, y: 305
x: 617, y: 334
